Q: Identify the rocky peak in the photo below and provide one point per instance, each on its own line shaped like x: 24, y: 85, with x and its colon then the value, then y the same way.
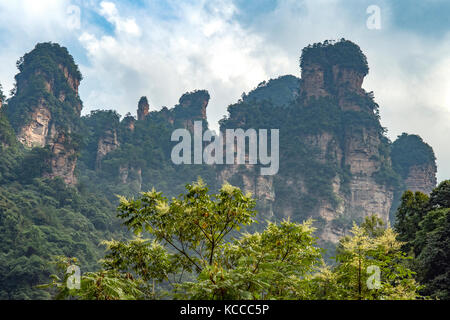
x: 313, y: 81
x: 143, y: 108
x: 347, y: 150
x: 196, y: 102
x: 415, y: 162
x: 45, y: 108
x: 332, y: 69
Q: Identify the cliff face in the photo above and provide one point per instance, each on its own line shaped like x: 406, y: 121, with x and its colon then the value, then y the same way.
x: 357, y: 151
x: 143, y: 108
x: 64, y: 158
x: 313, y: 81
x: 36, y: 132
x: 421, y: 178
x: 362, y: 156
x: 415, y: 162
x: 45, y: 108
x: 336, y: 164
x: 73, y: 81
x: 332, y: 147
x: 107, y: 143
x: 197, y: 102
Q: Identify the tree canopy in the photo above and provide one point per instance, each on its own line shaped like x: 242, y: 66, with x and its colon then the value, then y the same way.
x: 195, y: 251
x: 424, y: 222
x: 329, y: 53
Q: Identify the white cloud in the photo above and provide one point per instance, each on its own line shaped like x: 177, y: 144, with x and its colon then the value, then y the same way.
x: 408, y: 72
x: 204, y: 49
x: 23, y: 23
x: 412, y: 87
x: 201, y: 45
x: 127, y: 25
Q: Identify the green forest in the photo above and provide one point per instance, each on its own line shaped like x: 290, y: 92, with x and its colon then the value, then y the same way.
x: 98, y: 191
x: 190, y: 247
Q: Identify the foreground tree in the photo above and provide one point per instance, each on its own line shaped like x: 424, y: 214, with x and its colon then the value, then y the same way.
x: 425, y: 223
x: 274, y: 264
x: 370, y: 266
x: 409, y: 214
x: 198, y: 253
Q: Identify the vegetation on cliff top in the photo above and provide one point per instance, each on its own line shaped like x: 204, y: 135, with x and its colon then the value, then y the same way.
x: 410, y: 150
x: 39, y: 68
x: 327, y: 54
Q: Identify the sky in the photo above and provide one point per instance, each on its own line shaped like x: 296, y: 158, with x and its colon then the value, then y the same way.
x: 164, y: 48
